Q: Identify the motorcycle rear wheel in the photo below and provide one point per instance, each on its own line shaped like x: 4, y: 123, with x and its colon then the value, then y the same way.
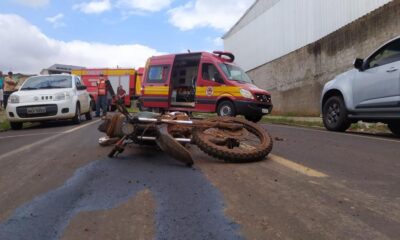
x: 251, y: 144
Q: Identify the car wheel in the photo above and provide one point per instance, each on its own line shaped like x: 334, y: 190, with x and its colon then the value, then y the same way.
x: 88, y: 115
x: 93, y: 105
x: 77, y: 118
x: 335, y: 115
x: 16, y: 125
x: 254, y: 118
x: 394, y: 128
x: 226, y: 108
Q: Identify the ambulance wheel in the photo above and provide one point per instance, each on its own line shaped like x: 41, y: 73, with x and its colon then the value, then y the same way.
x: 226, y: 109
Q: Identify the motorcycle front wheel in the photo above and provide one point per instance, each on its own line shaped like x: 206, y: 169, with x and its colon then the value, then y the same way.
x: 249, y: 144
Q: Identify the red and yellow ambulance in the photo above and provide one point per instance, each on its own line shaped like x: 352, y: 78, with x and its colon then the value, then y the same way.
x: 127, y: 78
x: 202, y: 82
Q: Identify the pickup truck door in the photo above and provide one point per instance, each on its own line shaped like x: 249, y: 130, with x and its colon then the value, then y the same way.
x: 378, y: 85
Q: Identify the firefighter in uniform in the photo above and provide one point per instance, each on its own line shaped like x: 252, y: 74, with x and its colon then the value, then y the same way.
x: 103, y: 87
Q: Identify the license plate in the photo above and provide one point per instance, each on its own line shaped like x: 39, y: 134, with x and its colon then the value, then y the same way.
x: 36, y: 110
x: 265, y: 110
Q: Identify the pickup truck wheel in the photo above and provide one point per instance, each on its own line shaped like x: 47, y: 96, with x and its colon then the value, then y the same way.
x: 394, y: 128
x: 77, y: 117
x: 335, y: 115
x: 253, y: 118
x: 16, y: 125
x: 226, y: 108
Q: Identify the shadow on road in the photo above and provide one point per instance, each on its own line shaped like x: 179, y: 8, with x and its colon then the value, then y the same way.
x: 188, y: 206
x: 52, y: 124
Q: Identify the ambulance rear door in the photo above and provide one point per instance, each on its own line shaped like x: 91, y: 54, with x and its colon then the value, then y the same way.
x: 156, y: 88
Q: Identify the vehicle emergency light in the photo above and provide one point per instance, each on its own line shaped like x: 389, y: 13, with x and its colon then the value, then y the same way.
x: 226, y: 54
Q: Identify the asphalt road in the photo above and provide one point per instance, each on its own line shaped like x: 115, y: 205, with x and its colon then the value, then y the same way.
x: 57, y: 183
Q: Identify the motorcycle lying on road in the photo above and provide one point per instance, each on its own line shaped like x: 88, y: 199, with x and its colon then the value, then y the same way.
x: 228, y: 138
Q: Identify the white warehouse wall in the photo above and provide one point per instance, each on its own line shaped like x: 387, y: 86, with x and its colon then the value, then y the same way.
x: 292, y: 24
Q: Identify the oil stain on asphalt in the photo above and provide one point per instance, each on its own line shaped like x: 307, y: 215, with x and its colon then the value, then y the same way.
x: 188, y: 206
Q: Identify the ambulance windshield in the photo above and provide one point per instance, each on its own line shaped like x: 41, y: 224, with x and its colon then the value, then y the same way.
x: 235, y: 73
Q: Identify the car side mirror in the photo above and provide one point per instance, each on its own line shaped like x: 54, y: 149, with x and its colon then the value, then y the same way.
x: 82, y: 87
x: 359, y: 63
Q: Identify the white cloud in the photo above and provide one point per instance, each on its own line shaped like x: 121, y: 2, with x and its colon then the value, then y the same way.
x: 93, y: 7
x: 26, y: 49
x: 147, y: 5
x: 215, y: 42
x: 218, y: 42
x: 56, y: 21
x: 33, y: 3
x: 221, y: 14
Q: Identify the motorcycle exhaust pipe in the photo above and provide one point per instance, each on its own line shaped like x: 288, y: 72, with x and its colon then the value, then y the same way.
x: 181, y: 140
x: 153, y: 120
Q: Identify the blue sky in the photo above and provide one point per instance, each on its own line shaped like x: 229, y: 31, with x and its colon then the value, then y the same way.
x: 106, y: 33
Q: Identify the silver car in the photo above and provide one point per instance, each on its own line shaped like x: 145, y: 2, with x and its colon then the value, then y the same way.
x: 370, y: 92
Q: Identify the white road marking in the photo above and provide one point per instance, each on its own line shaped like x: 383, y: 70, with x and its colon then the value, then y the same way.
x: 82, y: 126
x: 30, y: 134
x: 29, y: 146
x: 297, y: 167
x: 337, y: 133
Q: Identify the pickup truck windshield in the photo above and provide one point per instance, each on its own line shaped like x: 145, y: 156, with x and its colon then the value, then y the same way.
x: 235, y: 73
x: 47, y: 82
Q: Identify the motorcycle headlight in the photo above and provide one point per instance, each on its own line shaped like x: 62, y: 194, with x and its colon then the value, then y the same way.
x: 246, y: 94
x: 14, y: 98
x: 127, y: 129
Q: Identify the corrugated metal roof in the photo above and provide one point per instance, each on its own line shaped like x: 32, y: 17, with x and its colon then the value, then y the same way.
x: 255, y: 10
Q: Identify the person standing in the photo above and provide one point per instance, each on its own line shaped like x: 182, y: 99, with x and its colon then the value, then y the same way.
x: 120, y: 97
x: 1, y: 89
x: 121, y: 92
x: 9, y: 87
x: 109, y: 101
x: 103, y: 87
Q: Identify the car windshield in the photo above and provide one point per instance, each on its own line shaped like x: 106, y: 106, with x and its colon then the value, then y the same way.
x: 235, y: 73
x: 47, y: 82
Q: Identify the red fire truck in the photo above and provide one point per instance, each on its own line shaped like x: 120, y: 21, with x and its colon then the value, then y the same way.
x: 129, y: 79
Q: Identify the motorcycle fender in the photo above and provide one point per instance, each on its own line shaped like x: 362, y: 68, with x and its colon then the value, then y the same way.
x: 173, y: 148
